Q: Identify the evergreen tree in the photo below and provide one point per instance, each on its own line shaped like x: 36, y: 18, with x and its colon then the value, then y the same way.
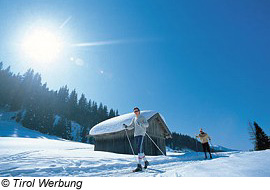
x: 262, y: 140
x: 62, y: 100
x: 83, y: 112
x: 67, y: 134
x: 82, y: 109
x: 105, y: 113
x: 72, y: 105
x: 59, y: 129
x: 16, y: 93
x: 29, y: 119
x: 95, y: 113
x: 111, y: 113
x: 100, y: 112
x: 5, y: 88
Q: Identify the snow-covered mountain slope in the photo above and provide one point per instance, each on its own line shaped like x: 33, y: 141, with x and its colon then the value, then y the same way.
x: 10, y: 128
x: 222, y: 148
x: 76, y: 129
x: 29, y: 153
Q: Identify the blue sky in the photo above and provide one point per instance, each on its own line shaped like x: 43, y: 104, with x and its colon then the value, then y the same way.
x: 199, y: 63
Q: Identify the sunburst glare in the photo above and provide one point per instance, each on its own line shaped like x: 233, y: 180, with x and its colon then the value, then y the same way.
x: 42, y: 45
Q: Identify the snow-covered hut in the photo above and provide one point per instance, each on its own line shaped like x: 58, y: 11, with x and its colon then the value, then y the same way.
x: 110, y: 136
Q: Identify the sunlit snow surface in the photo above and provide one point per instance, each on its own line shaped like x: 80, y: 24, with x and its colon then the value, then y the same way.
x: 24, y: 152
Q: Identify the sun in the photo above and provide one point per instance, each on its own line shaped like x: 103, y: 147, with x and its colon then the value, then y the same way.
x: 42, y: 45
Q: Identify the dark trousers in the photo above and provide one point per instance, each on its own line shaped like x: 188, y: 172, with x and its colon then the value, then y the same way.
x: 206, y: 147
x: 139, y: 143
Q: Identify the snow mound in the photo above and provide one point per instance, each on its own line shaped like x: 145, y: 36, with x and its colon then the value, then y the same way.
x: 115, y: 124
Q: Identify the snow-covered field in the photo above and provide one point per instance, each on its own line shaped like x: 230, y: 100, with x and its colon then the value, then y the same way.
x: 24, y: 152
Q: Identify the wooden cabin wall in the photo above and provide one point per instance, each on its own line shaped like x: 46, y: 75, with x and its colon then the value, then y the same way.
x: 118, y: 142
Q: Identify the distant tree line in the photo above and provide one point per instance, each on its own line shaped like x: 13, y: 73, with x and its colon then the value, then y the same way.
x: 39, y: 105
x: 40, y: 108
x: 182, y: 142
x: 258, y: 137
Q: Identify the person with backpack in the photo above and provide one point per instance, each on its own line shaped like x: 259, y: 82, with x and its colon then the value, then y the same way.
x: 204, y: 140
x: 139, y: 123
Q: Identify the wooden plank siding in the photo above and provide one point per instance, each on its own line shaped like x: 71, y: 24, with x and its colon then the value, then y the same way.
x: 118, y: 143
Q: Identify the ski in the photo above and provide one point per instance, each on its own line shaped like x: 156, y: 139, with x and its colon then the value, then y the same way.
x: 134, y: 171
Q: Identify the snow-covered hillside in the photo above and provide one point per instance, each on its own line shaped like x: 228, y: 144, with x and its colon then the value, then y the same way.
x: 10, y: 128
x: 221, y: 148
x: 76, y: 129
x: 18, y: 131
x: 24, y: 152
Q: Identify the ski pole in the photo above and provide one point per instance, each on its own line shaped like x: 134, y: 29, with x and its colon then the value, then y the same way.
x: 155, y: 144
x: 213, y: 147
x: 131, y: 146
x: 197, y: 146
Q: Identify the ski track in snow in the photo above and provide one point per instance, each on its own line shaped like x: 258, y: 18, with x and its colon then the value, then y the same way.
x: 77, y: 159
x: 27, y: 153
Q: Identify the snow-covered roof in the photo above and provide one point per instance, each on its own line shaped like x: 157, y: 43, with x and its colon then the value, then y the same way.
x: 115, y: 124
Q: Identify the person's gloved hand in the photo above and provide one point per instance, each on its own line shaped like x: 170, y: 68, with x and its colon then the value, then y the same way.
x: 139, y: 124
x: 125, y: 126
